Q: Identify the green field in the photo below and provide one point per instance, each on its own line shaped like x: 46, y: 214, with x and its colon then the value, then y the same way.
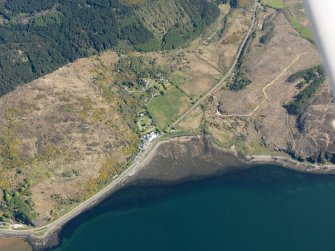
x: 178, y: 78
x: 279, y: 4
x: 276, y: 4
x: 303, y: 31
x: 165, y: 108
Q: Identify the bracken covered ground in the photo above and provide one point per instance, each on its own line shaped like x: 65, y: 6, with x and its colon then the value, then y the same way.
x: 63, y: 136
x: 255, y: 120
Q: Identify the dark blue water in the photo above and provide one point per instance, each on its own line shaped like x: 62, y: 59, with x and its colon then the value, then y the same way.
x: 263, y: 208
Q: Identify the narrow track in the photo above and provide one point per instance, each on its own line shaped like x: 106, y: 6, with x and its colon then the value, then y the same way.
x: 266, y: 98
x: 228, y: 74
x: 44, y: 231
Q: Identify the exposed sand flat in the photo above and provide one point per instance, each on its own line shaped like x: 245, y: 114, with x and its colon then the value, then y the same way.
x: 14, y: 244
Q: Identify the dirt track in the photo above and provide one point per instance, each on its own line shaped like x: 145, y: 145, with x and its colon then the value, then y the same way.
x: 223, y: 80
x: 265, y: 99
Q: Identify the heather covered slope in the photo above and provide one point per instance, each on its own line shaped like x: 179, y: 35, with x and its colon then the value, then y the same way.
x: 66, y: 135
x: 285, y: 108
x: 39, y: 37
x: 176, y: 21
x: 60, y: 141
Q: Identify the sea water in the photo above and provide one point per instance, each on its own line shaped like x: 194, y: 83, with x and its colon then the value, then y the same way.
x: 263, y: 208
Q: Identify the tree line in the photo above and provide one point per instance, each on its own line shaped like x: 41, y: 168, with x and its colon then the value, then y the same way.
x: 202, y: 13
x: 312, y: 77
x: 78, y: 29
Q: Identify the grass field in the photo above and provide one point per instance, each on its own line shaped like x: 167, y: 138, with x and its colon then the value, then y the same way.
x: 303, y: 31
x: 279, y: 4
x: 178, y: 78
x: 224, y: 8
x: 276, y: 4
x: 255, y: 147
x: 165, y: 108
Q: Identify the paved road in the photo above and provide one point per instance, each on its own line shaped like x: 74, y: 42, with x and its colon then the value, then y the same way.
x: 49, y: 228
x: 230, y: 71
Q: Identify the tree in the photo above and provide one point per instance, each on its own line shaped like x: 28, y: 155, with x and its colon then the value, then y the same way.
x: 234, y: 3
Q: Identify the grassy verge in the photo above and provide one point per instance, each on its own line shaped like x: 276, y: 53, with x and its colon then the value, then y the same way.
x: 302, y: 30
x: 151, y: 45
x: 275, y: 4
x: 256, y: 148
x: 240, y: 80
x: 178, y: 133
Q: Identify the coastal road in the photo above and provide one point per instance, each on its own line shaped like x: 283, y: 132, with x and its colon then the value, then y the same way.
x: 42, y: 232
x: 228, y: 74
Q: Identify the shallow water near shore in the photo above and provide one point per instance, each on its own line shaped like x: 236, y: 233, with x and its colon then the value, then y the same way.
x: 261, y: 208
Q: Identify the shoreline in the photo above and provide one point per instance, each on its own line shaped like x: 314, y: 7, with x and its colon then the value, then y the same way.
x: 46, y: 236
x: 294, y: 165
x: 40, y: 235
x: 283, y: 161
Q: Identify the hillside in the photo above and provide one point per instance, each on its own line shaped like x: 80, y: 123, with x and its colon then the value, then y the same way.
x: 40, y: 36
x: 60, y: 140
x: 254, y: 84
x: 177, y: 21
x: 281, y: 104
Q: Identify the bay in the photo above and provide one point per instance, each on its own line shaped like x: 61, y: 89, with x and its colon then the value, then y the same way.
x: 261, y: 208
